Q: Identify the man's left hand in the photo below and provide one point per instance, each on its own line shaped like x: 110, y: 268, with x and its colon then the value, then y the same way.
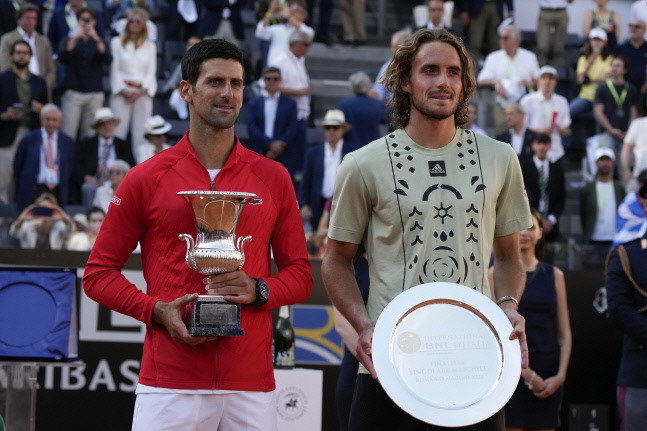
x: 235, y: 286
x: 518, y: 329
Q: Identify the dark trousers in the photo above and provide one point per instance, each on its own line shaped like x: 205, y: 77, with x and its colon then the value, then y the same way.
x: 373, y: 410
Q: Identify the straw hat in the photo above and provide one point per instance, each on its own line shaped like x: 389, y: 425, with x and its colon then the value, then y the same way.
x: 334, y: 117
x: 104, y: 114
x: 156, y: 125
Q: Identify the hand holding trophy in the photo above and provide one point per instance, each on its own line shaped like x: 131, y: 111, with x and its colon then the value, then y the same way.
x: 215, y: 250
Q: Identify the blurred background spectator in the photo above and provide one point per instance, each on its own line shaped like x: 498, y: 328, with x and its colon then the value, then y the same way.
x: 635, y: 49
x: 44, y: 161
x: 518, y: 135
x: 352, y: 14
x: 604, y: 18
x: 272, y: 123
x: 43, y: 225
x: 22, y: 96
x: 132, y: 79
x: 363, y: 113
x: 593, y: 67
x: 84, y: 240
x: 41, y: 62
x: 156, y: 130
x: 94, y: 155
x: 553, y: 19
x: 117, y: 171
x: 85, y: 55
x: 510, y: 71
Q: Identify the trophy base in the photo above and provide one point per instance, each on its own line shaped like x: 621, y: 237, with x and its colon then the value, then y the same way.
x: 212, y: 316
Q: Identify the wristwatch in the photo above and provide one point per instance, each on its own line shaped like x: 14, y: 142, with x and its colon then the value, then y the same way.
x: 262, y: 292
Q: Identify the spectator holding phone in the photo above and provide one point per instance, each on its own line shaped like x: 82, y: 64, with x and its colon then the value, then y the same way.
x: 19, y: 110
x: 43, y: 225
x: 85, y: 55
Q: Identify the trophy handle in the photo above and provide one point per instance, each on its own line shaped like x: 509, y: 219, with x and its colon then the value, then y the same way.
x: 189, y: 248
x: 240, y: 245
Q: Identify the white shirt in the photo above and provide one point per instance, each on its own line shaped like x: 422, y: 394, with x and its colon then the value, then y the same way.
x: 279, y: 37
x: 605, y: 222
x: 147, y: 150
x: 553, y: 4
x: 271, y: 105
x: 332, y: 159
x: 133, y: 65
x: 44, y: 176
x: 431, y: 26
x: 516, y: 140
x: 637, y: 138
x: 103, y: 196
x: 510, y: 72
x: 294, y: 77
x: 34, y: 67
x: 539, y: 114
x: 639, y: 11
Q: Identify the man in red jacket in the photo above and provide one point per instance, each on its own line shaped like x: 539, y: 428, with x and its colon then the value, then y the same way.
x: 222, y: 382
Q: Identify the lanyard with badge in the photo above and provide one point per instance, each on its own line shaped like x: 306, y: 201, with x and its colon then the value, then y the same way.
x: 620, y: 99
x: 549, y: 119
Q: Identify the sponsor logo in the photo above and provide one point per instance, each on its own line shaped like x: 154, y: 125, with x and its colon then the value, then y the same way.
x: 437, y: 168
x: 115, y: 200
x: 292, y: 403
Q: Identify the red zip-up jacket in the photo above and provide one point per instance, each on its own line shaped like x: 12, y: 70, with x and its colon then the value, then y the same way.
x: 147, y: 209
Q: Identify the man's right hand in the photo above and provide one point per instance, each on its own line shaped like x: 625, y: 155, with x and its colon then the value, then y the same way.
x: 169, y: 315
x: 275, y: 150
x: 364, y: 350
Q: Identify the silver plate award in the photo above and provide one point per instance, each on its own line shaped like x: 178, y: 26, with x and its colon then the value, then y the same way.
x: 442, y: 353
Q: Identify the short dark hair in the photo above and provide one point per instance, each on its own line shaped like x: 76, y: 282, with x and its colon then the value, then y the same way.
x: 642, y: 177
x: 206, y: 50
x: 87, y: 9
x: 542, y: 138
x: 20, y: 42
x: 27, y: 7
x: 93, y: 210
x: 273, y: 69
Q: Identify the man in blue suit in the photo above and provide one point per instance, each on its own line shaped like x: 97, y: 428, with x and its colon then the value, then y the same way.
x: 363, y: 113
x: 320, y: 168
x: 272, y: 123
x: 19, y: 109
x: 44, y: 160
x: 627, y: 301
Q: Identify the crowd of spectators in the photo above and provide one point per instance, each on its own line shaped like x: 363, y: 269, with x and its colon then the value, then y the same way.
x: 98, y: 62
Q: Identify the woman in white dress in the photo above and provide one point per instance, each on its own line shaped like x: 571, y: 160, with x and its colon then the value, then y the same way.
x: 132, y: 78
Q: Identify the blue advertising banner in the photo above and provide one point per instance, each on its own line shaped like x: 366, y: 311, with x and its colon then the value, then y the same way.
x: 316, y: 341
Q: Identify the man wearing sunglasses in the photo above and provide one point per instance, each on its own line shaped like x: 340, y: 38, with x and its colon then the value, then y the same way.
x: 321, y: 165
x: 272, y: 122
x: 67, y: 19
x: 635, y: 49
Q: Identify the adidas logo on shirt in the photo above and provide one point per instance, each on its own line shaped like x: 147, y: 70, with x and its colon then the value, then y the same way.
x: 437, y: 169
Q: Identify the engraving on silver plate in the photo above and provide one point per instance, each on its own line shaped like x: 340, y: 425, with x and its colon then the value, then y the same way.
x: 217, y: 314
x: 449, y: 365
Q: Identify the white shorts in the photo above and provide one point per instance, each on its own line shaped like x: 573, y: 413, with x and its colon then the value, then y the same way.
x: 239, y: 411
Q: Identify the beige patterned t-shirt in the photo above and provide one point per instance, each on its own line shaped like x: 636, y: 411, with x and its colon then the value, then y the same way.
x: 427, y: 215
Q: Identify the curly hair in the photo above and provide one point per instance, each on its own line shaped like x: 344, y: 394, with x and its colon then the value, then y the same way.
x: 400, y: 67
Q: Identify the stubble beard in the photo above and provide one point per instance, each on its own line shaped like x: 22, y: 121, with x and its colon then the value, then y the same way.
x: 432, y: 114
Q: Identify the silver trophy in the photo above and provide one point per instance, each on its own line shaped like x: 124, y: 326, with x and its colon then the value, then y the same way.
x: 215, y: 250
